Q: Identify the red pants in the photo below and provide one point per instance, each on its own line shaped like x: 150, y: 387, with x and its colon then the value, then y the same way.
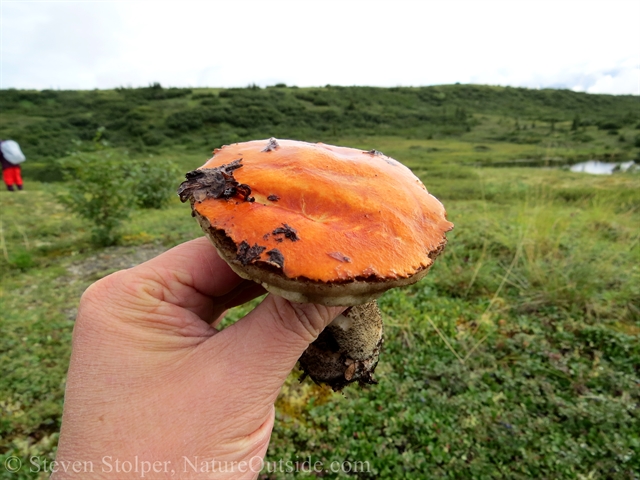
x: 12, y: 176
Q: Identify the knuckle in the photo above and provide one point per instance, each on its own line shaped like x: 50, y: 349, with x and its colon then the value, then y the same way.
x: 95, y: 303
x: 120, y: 291
x: 304, y: 320
x: 98, y: 291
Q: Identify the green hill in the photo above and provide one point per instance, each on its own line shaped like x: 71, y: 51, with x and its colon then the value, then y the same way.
x: 50, y: 123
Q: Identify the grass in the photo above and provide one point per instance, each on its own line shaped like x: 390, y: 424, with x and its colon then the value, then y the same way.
x: 517, y: 357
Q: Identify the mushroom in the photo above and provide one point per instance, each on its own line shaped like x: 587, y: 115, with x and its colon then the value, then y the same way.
x: 317, y: 223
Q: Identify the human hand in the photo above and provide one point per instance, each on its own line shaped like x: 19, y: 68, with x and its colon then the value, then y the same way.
x: 151, y: 379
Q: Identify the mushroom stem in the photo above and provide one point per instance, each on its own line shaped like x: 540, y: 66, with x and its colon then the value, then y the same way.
x: 347, y: 350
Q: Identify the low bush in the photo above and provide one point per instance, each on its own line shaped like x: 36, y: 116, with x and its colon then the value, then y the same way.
x: 153, y: 138
x: 154, y: 182
x: 185, y: 120
x: 609, y: 126
x: 99, y: 191
x: 104, y: 187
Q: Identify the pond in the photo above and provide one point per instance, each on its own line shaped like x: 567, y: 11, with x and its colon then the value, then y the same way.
x: 597, y: 167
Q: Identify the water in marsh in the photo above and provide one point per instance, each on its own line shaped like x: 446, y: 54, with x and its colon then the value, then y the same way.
x: 597, y: 167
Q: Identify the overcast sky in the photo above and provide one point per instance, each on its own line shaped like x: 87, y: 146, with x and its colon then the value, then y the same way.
x: 586, y: 46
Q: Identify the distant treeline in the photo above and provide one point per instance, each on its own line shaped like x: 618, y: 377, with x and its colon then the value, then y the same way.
x: 48, y: 123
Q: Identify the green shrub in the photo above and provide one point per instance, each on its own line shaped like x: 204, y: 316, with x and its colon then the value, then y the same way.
x: 22, y: 260
x: 609, y: 125
x: 203, y: 95
x: 154, y: 91
x: 210, y: 101
x: 153, y: 138
x: 185, y: 120
x: 100, y: 191
x: 42, y: 171
x: 154, y: 182
x: 583, y: 138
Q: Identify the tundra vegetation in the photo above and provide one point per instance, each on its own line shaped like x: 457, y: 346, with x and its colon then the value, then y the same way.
x: 517, y: 357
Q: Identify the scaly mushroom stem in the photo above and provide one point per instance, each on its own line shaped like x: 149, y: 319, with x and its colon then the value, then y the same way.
x: 347, y: 350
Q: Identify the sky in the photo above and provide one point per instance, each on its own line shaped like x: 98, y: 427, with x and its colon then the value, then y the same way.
x: 591, y: 46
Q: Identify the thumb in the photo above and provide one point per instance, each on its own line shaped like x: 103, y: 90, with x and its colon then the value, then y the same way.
x: 270, y: 340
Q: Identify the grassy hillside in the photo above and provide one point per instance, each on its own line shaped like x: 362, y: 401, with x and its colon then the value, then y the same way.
x: 517, y: 357
x: 574, y: 125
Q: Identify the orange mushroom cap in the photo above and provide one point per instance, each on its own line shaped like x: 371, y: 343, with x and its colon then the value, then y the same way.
x: 324, y: 213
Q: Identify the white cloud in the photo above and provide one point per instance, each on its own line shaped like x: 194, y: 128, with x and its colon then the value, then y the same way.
x: 625, y: 80
x: 590, y: 45
x: 56, y: 45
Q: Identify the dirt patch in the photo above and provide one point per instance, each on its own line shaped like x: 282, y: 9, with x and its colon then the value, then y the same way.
x: 82, y: 273
x: 111, y: 260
